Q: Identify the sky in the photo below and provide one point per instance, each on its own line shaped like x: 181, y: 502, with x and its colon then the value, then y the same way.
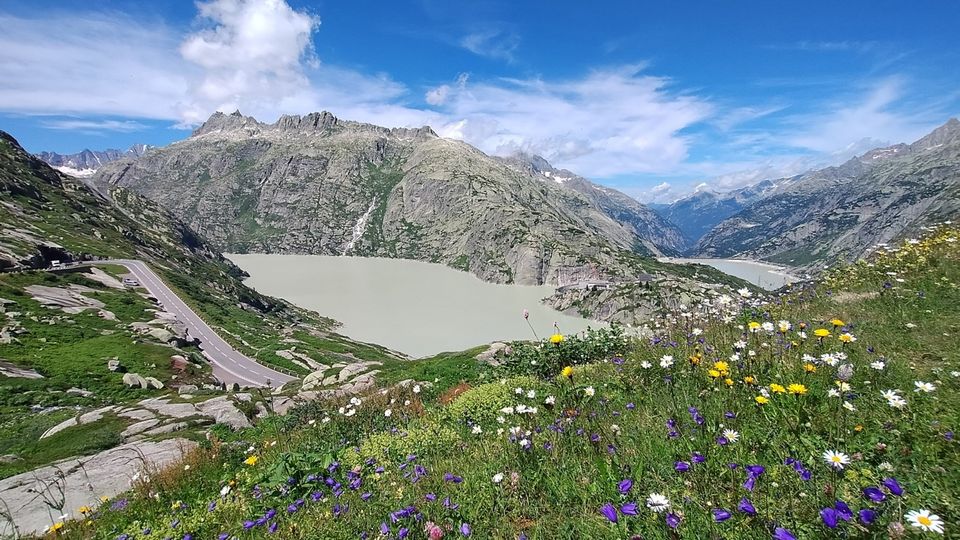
x: 654, y: 98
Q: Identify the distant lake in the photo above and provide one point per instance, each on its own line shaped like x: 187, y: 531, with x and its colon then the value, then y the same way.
x: 764, y: 275
x: 413, y: 307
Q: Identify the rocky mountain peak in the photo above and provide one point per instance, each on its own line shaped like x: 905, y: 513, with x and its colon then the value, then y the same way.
x: 323, y: 123
x: 220, y: 122
x: 946, y: 134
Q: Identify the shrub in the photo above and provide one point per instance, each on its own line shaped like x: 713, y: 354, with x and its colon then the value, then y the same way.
x: 482, y: 404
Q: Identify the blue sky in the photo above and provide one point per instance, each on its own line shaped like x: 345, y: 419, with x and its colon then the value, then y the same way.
x: 654, y: 98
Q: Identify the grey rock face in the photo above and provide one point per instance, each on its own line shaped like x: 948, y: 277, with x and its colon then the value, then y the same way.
x: 839, y: 213
x: 82, y: 481
x: 317, y: 184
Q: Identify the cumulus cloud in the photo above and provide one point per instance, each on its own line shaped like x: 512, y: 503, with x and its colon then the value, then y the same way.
x: 611, y: 121
x: 252, y: 53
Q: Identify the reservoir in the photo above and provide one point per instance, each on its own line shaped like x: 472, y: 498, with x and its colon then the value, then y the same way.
x: 414, y: 307
x: 764, y: 275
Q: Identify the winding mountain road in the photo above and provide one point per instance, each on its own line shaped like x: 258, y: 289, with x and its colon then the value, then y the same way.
x: 229, y: 365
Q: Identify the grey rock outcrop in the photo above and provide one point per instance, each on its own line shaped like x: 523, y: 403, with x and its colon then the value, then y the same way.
x: 82, y: 481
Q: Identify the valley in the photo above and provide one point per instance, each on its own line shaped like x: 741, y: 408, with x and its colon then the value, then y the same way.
x: 496, y: 270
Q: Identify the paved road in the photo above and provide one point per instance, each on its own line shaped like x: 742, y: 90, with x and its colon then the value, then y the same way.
x: 229, y: 364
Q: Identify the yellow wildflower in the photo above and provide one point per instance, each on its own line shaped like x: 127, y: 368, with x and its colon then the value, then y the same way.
x: 556, y: 339
x: 797, y: 389
x: 809, y: 368
x: 753, y: 326
x: 714, y: 374
x: 777, y: 389
x: 567, y: 372
x: 728, y: 382
x: 821, y: 332
x: 761, y: 400
x: 837, y: 323
x: 722, y: 367
x: 252, y: 460
x: 695, y: 359
x: 84, y: 509
x: 749, y: 379
x: 56, y: 526
x: 858, y: 428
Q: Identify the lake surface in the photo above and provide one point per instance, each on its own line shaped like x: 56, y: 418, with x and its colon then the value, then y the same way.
x: 413, y: 307
x: 767, y: 276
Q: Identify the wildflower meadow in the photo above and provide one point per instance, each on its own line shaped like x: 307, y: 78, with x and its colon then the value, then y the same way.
x: 827, y: 410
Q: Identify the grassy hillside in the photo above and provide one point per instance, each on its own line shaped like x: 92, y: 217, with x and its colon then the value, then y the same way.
x: 825, y: 412
x: 46, y: 216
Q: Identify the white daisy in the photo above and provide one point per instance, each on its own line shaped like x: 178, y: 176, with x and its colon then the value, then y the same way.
x: 387, y: 413
x: 658, y: 503
x: 550, y: 400
x: 531, y: 394
x: 476, y: 430
x: 497, y: 478
x: 878, y: 365
x: 924, y: 386
x: 589, y: 391
x: 926, y: 521
x: 836, y: 459
x: 666, y: 361
x: 731, y: 435
x: 646, y: 365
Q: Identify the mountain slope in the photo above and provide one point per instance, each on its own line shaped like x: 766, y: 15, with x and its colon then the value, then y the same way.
x: 50, y: 216
x: 656, y: 234
x: 696, y: 214
x: 84, y: 163
x: 840, y: 212
x: 316, y: 184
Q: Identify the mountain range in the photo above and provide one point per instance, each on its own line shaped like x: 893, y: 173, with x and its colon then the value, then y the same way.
x: 320, y: 185
x: 84, y: 163
x: 829, y: 214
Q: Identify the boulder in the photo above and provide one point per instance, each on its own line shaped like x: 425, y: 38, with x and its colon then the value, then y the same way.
x: 113, y: 364
x: 223, y: 411
x: 161, y: 334
x: 187, y: 389
x: 106, y: 315
x: 154, y: 383
x: 134, y: 380
x: 179, y: 363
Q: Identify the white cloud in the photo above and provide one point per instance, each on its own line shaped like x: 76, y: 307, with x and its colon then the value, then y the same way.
x: 611, y: 121
x: 661, y: 188
x: 870, y: 115
x: 438, y: 95
x: 123, y: 126
x: 253, y: 55
x: 93, y: 64
x: 497, y: 44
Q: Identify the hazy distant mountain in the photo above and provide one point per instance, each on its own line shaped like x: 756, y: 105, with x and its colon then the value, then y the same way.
x: 318, y: 184
x: 840, y: 212
x: 696, y: 214
x: 86, y: 162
